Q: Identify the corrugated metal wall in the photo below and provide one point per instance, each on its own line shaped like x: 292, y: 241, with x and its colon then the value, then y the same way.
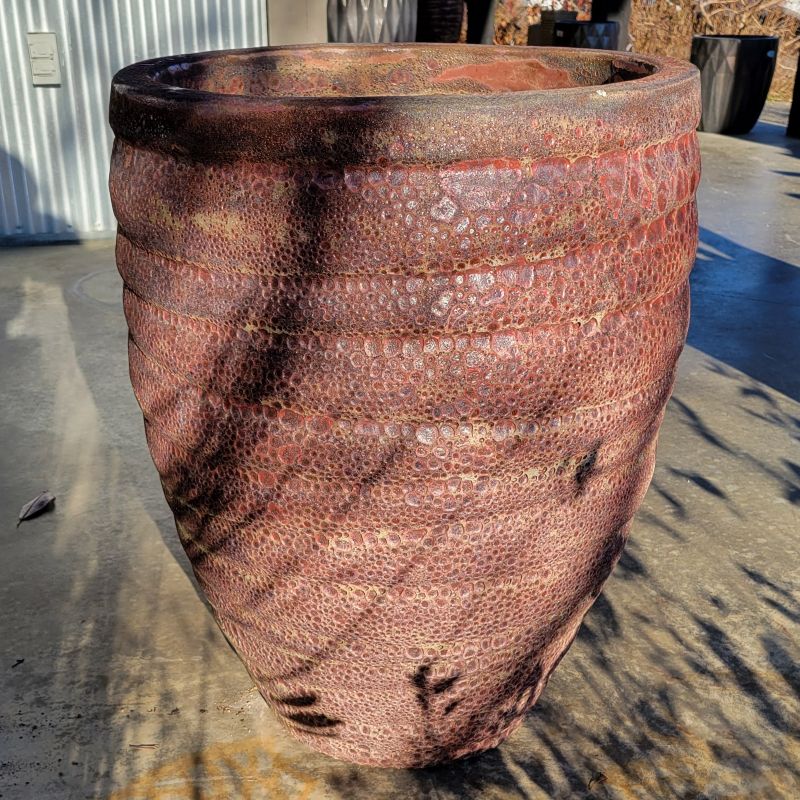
x: 55, y: 142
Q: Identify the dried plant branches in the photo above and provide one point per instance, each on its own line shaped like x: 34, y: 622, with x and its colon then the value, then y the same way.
x: 666, y: 26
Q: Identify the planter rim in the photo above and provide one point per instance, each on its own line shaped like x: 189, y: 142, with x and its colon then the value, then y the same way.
x: 146, y: 108
x: 590, y: 22
x: 147, y: 78
x: 747, y: 36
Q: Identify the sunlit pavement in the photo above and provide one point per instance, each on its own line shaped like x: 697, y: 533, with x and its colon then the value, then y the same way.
x: 684, y: 682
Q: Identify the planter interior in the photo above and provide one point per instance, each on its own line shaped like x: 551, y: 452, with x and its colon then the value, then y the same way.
x: 391, y: 71
x: 403, y: 322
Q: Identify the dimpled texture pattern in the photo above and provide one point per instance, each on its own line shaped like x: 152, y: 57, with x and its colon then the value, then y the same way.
x: 403, y: 323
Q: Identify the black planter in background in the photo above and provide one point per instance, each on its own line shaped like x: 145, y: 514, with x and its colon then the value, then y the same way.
x: 480, y: 21
x: 372, y: 20
x: 542, y: 34
x: 439, y: 20
x: 614, y: 11
x: 595, y: 35
x: 793, y: 128
x: 735, y: 74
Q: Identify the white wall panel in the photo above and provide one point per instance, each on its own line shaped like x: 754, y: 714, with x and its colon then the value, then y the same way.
x: 55, y: 143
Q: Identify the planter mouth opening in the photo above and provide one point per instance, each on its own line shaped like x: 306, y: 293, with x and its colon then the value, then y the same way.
x: 366, y: 72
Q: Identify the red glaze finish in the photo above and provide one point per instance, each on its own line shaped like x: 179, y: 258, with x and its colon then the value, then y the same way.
x: 403, y: 322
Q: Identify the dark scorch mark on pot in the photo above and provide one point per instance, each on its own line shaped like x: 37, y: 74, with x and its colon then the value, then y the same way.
x: 312, y: 722
x: 585, y: 468
x: 426, y: 690
x: 299, y: 700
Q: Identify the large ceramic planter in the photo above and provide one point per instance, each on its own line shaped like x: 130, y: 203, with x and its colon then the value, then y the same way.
x: 735, y: 74
x: 403, y: 322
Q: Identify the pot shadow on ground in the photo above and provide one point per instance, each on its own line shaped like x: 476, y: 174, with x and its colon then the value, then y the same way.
x: 746, y: 310
x: 771, y: 131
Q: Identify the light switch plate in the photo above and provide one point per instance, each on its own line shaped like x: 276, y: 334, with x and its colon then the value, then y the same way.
x: 44, y: 59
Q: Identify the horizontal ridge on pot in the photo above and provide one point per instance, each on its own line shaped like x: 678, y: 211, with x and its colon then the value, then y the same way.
x: 403, y: 322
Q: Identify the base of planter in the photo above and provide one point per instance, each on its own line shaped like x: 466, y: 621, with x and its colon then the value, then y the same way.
x: 329, y: 747
x: 434, y: 739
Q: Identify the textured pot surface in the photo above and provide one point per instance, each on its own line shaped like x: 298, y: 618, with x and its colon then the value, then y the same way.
x: 403, y: 322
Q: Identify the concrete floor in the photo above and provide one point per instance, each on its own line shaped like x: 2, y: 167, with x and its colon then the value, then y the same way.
x: 684, y: 682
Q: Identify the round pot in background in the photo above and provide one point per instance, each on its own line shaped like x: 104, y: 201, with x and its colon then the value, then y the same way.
x: 735, y: 76
x: 403, y: 378
x: 372, y: 21
x: 615, y: 11
x: 593, y: 35
x: 439, y: 20
x: 793, y: 126
x: 542, y: 34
